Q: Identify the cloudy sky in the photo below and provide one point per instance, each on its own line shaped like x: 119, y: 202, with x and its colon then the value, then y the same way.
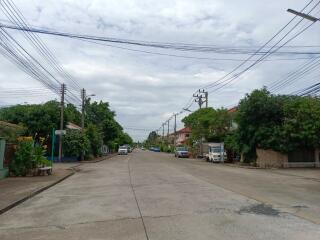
x: 145, y: 89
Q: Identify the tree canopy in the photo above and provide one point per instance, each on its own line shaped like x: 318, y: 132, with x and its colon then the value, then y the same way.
x: 281, y: 123
x: 100, y: 124
x: 208, y: 123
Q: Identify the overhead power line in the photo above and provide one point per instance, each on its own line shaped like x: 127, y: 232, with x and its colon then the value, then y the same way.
x: 169, y: 46
x: 51, y: 77
x: 226, y: 80
x: 299, y: 73
x: 17, y: 18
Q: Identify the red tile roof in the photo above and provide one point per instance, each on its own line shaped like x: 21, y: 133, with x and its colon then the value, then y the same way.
x: 184, y: 130
x: 232, y: 110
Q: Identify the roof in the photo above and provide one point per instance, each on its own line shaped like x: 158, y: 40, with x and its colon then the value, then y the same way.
x: 71, y: 125
x: 11, y: 125
x: 184, y: 130
x: 233, y: 109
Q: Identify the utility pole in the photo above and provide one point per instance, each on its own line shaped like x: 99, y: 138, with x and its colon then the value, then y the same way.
x: 162, y: 131
x: 83, y: 98
x: 206, y: 97
x: 201, y: 97
x: 63, y: 91
x: 175, y: 129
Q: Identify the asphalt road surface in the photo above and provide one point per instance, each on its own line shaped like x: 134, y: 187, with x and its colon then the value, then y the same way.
x: 153, y: 196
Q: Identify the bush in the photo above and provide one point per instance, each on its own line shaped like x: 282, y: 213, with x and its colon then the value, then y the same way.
x: 280, y: 123
x: 95, y: 138
x: 23, y: 161
x: 75, y: 143
x: 38, y: 155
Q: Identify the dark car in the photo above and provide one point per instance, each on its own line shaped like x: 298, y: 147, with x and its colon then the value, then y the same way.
x: 154, y: 149
x: 181, y: 152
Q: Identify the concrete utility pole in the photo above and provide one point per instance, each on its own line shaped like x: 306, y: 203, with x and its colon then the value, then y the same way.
x: 201, y: 97
x: 63, y: 91
x: 83, y: 98
x: 175, y: 129
x: 162, y: 131
x: 206, y: 97
x: 168, y: 129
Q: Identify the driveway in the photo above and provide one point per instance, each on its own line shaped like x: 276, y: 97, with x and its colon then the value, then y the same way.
x: 154, y: 196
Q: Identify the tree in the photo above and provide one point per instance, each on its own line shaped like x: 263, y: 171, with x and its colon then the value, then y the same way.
x: 208, y: 123
x: 124, y: 138
x: 152, y: 139
x: 39, y: 118
x: 95, y: 138
x: 277, y: 122
x: 98, y: 113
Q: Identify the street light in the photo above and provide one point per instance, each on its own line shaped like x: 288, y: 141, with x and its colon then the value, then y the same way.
x: 187, y: 110
x: 303, y: 15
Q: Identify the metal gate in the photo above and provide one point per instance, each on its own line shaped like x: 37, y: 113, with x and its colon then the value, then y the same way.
x: 302, y: 156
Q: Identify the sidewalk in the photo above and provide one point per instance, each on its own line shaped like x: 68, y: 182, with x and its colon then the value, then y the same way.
x: 14, y: 190
x: 17, y: 189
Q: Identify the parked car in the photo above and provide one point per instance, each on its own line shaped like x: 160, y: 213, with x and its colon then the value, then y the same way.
x: 154, y: 149
x: 123, y: 150
x: 142, y: 148
x: 181, y: 152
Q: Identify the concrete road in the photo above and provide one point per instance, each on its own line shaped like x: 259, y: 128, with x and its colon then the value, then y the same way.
x: 153, y: 196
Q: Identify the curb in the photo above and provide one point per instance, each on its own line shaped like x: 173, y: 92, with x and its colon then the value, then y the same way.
x: 100, y: 159
x: 7, y: 208
x: 243, y: 166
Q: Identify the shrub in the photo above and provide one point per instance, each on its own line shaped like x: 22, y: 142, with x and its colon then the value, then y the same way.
x: 75, y: 142
x: 95, y: 138
x: 38, y: 155
x: 23, y: 161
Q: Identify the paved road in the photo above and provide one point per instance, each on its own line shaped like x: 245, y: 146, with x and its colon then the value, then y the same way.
x: 154, y: 196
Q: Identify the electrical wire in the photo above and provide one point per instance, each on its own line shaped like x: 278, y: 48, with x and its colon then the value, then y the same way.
x: 16, y: 17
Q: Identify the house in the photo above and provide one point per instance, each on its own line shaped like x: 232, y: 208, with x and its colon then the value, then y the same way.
x: 182, y: 136
x: 233, y: 124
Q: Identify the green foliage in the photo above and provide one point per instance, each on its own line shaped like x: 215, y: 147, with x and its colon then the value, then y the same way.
x: 11, y: 133
x: 231, y: 142
x: 152, y: 139
x: 101, y: 126
x: 208, y: 123
x: 72, y: 114
x: 99, y: 114
x: 39, y: 118
x: 95, y: 138
x: 124, y: 138
x: 38, y: 155
x: 281, y: 123
x: 23, y: 161
x: 75, y: 143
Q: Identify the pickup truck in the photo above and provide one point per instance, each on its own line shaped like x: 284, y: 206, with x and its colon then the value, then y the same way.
x: 216, y: 152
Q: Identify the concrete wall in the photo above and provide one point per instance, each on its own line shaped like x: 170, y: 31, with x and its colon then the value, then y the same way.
x: 271, y: 159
